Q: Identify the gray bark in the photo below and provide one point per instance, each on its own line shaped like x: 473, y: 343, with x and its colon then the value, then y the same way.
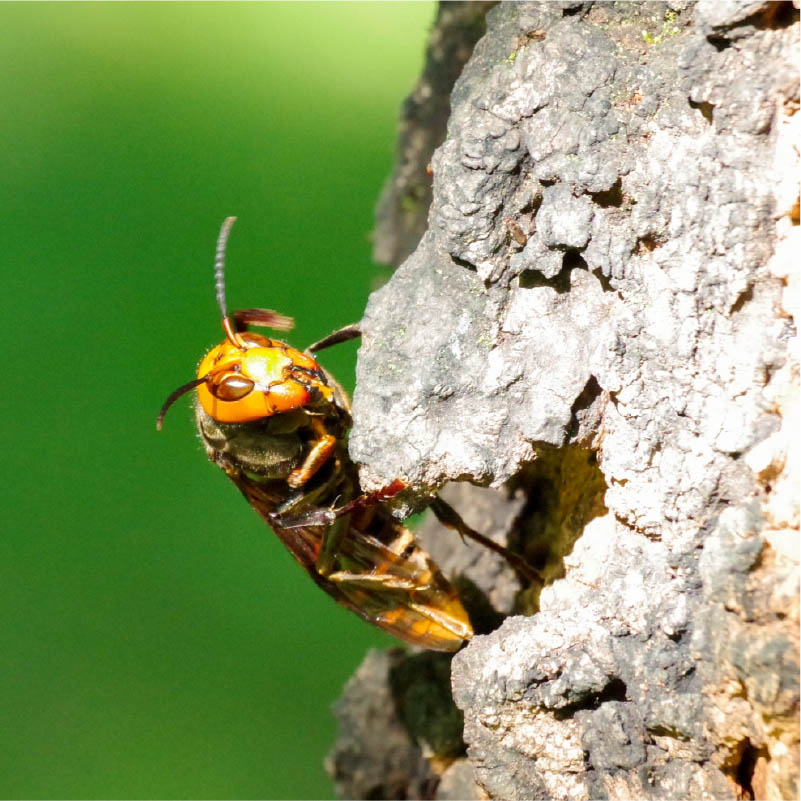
x: 598, y: 325
x: 400, y: 218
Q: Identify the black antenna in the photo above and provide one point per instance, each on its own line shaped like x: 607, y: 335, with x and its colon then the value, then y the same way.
x: 174, y: 397
x: 219, y: 263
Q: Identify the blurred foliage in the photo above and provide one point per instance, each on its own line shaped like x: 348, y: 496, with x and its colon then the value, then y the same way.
x: 157, y: 641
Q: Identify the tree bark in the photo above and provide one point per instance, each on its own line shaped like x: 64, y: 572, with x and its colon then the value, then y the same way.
x: 598, y: 325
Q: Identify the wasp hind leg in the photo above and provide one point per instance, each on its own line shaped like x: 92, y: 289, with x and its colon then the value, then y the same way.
x: 450, y: 518
x: 379, y: 575
x: 385, y: 581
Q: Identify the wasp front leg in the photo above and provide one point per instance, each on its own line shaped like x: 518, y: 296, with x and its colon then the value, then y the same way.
x: 317, y: 456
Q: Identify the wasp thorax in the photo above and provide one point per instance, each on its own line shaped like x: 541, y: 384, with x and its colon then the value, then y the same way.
x: 270, y: 448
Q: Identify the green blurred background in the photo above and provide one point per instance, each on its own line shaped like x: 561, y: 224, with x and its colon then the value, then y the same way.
x: 156, y: 640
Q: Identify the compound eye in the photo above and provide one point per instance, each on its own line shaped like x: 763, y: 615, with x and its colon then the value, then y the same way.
x: 232, y: 388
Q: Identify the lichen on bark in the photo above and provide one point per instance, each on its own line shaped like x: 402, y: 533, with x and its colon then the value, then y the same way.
x: 599, y: 323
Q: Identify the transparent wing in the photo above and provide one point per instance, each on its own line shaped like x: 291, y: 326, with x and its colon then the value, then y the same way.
x: 390, y: 582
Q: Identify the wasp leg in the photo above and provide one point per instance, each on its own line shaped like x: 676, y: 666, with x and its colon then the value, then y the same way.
x: 305, y: 497
x: 380, y: 574
x: 337, y: 524
x: 342, y: 335
x: 329, y: 547
x: 450, y: 518
x: 317, y: 456
x: 372, y: 580
x: 282, y: 511
x: 325, y: 517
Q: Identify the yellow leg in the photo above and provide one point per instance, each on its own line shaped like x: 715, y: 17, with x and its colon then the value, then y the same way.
x: 316, y: 458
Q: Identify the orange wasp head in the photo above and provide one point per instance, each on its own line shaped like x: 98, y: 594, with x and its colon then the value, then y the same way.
x: 248, y: 376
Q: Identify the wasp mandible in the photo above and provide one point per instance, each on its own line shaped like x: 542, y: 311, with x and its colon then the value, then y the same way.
x: 277, y: 422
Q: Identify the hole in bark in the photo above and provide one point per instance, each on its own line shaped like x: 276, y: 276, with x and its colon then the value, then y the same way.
x: 648, y: 243
x: 707, y: 109
x: 612, y: 197
x: 616, y: 690
x: 560, y: 283
x: 573, y: 10
x: 542, y: 497
x: 689, y: 682
x: 483, y: 615
x: 720, y: 43
x: 744, y: 297
x: 463, y: 263
x: 564, y: 490
x: 421, y: 689
x: 746, y: 769
x: 603, y: 280
x: 532, y: 206
x: 780, y: 15
x: 580, y: 414
x: 772, y: 16
x: 573, y: 260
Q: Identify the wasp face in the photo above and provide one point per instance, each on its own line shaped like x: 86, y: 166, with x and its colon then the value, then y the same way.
x: 258, y: 378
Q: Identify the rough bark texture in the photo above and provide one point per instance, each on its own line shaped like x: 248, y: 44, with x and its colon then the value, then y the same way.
x: 400, y: 218
x: 599, y: 325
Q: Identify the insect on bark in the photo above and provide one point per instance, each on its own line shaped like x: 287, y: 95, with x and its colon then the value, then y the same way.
x: 276, y: 422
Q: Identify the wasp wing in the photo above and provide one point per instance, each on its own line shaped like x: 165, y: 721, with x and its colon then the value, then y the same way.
x: 383, y: 576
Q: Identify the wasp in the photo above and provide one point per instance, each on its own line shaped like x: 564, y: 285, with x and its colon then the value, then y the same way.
x: 276, y: 422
